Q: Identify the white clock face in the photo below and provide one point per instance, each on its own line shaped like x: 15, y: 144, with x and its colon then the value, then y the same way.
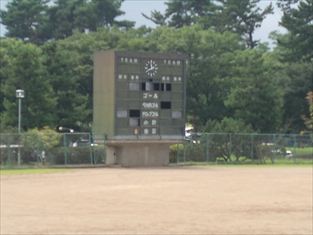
x: 151, y: 68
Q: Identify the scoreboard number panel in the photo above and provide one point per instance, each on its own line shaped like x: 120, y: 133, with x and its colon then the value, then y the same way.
x: 159, y: 74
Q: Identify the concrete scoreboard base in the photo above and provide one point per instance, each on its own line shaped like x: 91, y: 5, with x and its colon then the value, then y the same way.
x: 138, y: 153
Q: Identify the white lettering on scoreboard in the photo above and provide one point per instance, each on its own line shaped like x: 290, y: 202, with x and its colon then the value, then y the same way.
x: 147, y: 95
x: 150, y: 105
x: 151, y: 114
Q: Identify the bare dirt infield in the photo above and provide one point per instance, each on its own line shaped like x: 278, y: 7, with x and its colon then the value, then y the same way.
x: 181, y: 200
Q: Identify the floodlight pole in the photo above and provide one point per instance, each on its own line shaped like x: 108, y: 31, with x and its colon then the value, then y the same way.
x: 19, y: 115
x: 19, y: 96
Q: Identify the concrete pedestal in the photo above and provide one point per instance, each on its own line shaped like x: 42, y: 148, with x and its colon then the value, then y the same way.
x: 140, y: 153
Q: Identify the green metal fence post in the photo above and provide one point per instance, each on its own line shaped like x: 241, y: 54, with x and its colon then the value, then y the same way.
x: 177, y: 156
x: 184, y: 144
x: 273, y: 154
x: 9, y: 154
x: 206, y: 147
x: 65, y: 148
x: 104, y: 149
x: 252, y: 143
x: 90, y: 149
x: 230, y: 147
x: 294, y: 148
x: 209, y: 144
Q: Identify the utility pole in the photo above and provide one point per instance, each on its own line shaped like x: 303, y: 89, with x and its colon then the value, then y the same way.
x: 19, y: 95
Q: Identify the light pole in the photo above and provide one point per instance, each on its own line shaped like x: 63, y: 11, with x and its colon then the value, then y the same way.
x: 65, y: 129
x: 19, y: 95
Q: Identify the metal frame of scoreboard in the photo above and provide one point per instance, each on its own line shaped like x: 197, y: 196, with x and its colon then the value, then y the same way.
x: 139, y: 104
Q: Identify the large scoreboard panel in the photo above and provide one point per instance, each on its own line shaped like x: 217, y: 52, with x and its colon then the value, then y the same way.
x: 149, y: 95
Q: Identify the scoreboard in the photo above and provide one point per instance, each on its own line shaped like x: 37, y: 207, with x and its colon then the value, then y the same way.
x: 139, y: 95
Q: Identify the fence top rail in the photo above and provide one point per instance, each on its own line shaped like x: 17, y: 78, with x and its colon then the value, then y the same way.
x: 199, y: 133
x: 255, y: 134
x: 74, y: 133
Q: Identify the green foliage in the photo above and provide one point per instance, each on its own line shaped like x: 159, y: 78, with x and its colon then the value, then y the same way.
x: 241, y: 17
x: 186, y: 12
x: 227, y: 125
x: 40, y: 20
x: 229, y: 88
x: 22, y: 67
x: 24, y: 19
x: 210, y: 55
x: 295, y: 52
x: 296, y: 84
x: 43, y: 139
x: 82, y: 15
x: 298, y: 22
x: 255, y: 96
x: 308, y: 121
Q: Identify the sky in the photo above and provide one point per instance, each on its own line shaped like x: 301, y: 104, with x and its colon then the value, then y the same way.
x: 134, y: 8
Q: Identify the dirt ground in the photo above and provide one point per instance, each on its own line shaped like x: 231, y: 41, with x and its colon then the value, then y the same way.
x: 174, y: 200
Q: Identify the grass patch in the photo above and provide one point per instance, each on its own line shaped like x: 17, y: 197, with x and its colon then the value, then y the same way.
x: 30, y: 171
x: 278, y: 163
x: 302, y: 152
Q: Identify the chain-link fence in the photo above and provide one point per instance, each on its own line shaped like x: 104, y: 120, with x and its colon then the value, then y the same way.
x: 222, y: 148
x: 244, y: 148
x: 61, y: 149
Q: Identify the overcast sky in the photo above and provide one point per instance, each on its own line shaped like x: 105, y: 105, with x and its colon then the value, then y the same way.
x: 134, y: 8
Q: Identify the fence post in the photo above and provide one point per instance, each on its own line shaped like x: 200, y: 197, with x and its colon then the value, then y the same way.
x: 104, y: 149
x: 206, y: 147
x: 252, y: 142
x: 273, y: 154
x: 9, y: 152
x: 19, y: 158
x: 90, y: 149
x: 294, y: 148
x: 177, y: 160
x: 65, y: 148
x: 230, y: 147
x: 184, y: 144
x: 209, y: 144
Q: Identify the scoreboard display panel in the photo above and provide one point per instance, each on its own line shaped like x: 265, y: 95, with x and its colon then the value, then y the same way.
x: 139, y: 95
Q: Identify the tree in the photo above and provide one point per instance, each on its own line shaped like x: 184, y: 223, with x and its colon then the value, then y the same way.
x: 255, y: 96
x: 299, y: 23
x: 210, y: 55
x: 41, y: 139
x: 104, y: 13
x: 37, y: 21
x: 84, y: 16
x: 181, y: 13
x: 242, y: 17
x: 70, y: 68
x: 297, y: 83
x: 26, y: 20
x: 224, y: 79
x: 227, y: 125
x: 295, y: 51
x: 308, y: 121
x: 23, y: 68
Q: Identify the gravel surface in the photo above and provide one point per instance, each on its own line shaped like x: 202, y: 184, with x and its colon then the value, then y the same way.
x: 173, y: 200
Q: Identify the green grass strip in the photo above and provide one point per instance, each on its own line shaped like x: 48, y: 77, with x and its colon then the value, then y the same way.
x: 247, y: 165
x: 31, y: 171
